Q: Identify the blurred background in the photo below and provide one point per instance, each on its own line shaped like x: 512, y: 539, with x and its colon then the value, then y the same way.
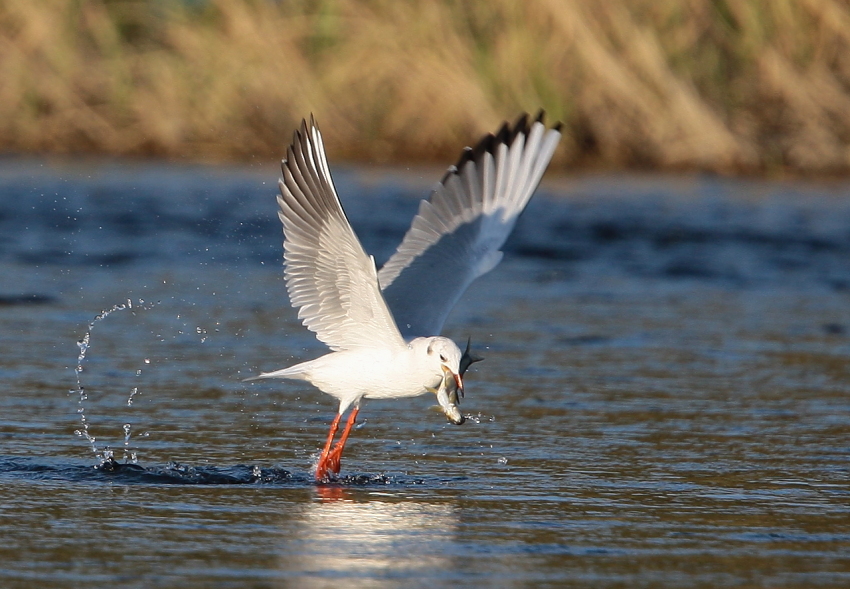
x: 744, y: 86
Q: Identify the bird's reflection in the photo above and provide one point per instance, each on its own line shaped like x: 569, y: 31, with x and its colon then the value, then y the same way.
x: 368, y: 540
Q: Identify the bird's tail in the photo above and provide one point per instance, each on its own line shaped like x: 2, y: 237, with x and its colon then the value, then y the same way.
x: 294, y: 372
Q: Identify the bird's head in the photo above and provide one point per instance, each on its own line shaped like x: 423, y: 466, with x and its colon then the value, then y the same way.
x: 444, y: 359
x: 444, y: 355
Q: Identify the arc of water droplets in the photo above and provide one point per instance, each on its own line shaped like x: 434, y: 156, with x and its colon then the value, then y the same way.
x: 84, y: 344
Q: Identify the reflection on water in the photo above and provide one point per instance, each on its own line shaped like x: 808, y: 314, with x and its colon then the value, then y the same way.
x: 664, y: 398
x: 367, y: 541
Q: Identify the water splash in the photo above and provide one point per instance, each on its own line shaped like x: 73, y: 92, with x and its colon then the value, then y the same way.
x: 84, y: 344
x: 479, y: 418
x: 129, y: 457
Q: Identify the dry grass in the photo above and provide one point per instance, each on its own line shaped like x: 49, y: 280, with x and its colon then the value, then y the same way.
x: 726, y: 85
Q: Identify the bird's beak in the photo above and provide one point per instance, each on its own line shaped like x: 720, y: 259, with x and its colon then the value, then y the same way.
x: 459, y: 383
x: 457, y: 377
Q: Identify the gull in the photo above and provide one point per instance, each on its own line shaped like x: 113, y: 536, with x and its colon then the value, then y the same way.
x: 382, y: 326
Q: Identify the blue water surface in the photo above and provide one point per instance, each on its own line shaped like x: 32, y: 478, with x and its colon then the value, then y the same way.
x: 665, y: 399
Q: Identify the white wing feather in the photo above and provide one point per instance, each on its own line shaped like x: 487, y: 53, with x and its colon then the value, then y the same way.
x: 457, y: 233
x: 328, y: 275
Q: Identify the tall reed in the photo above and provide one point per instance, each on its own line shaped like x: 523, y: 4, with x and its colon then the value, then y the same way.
x: 743, y: 85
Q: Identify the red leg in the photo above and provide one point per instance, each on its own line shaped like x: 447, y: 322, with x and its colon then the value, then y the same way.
x: 336, y: 454
x: 322, y: 467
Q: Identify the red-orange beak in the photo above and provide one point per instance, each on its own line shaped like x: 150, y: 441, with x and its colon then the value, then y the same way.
x: 458, y: 379
x: 459, y: 383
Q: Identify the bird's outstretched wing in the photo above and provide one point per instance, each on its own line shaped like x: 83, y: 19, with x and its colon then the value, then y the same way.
x: 457, y: 233
x: 328, y: 275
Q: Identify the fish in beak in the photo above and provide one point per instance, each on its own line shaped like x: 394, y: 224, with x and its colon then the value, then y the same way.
x: 458, y: 381
x: 450, y: 390
x: 447, y: 395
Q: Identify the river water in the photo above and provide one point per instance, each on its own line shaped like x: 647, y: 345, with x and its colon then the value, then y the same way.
x: 665, y: 399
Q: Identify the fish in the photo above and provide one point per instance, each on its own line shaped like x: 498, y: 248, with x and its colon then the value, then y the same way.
x: 447, y: 397
x: 447, y: 392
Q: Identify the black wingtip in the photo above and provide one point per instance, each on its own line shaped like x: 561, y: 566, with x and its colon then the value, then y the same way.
x: 541, y: 115
x: 506, y: 134
x: 520, y: 127
x: 558, y: 126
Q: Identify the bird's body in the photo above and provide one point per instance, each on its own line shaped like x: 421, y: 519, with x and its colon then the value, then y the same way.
x: 373, y: 373
x: 382, y: 326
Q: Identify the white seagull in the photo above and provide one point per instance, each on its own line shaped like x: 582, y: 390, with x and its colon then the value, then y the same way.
x: 382, y: 326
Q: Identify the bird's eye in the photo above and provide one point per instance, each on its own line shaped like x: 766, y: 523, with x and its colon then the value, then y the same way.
x: 443, y: 358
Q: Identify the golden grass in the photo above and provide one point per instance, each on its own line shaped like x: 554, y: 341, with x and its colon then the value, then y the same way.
x: 725, y: 85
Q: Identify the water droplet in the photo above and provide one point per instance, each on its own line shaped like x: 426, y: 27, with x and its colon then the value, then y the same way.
x: 126, y: 428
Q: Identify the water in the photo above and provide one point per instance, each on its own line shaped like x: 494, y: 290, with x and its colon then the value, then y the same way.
x: 665, y: 399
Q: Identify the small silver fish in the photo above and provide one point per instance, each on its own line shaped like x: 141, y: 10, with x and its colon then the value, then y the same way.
x: 448, y: 399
